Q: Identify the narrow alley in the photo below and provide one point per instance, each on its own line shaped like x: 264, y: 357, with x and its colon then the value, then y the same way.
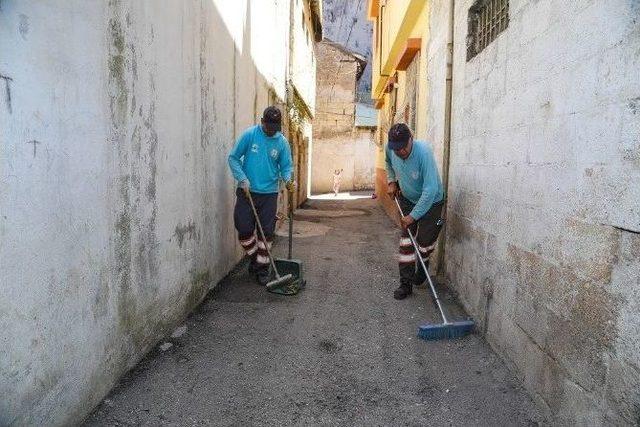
x: 150, y: 153
x: 343, y: 351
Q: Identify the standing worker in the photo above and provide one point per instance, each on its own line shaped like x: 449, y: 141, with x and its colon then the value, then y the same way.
x: 412, y: 177
x: 260, y: 158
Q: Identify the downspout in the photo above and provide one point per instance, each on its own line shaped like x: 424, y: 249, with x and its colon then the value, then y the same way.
x: 447, y: 137
x: 288, y: 89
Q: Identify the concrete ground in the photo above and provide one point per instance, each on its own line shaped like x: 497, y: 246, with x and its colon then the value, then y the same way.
x: 342, y: 352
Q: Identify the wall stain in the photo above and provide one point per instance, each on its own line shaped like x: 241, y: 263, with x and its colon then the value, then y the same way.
x: 135, y: 137
x: 205, y: 126
x: 189, y: 231
x: 572, y: 319
x: 123, y: 233
x: 23, y: 26
x: 100, y: 306
x: 116, y: 63
x: 7, y: 91
x: 634, y: 105
x: 198, y: 288
x: 35, y: 146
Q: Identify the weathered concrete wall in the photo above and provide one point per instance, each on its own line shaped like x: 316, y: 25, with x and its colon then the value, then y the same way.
x: 303, y: 58
x: 434, y: 54
x: 354, y: 152
x: 115, y: 197
x: 543, y: 239
x: 302, y: 93
x: 300, y: 140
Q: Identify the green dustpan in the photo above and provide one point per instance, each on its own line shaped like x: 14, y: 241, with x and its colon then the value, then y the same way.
x: 290, y: 266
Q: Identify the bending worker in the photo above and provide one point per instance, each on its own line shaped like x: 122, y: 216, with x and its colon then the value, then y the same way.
x: 260, y: 158
x: 412, y: 177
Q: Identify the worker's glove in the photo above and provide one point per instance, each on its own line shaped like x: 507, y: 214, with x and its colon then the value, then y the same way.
x: 291, y: 186
x: 245, y: 186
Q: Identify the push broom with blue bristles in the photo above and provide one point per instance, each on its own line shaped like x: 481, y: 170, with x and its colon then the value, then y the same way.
x: 446, y: 329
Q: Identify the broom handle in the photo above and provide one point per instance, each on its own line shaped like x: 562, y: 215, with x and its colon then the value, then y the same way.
x: 264, y: 240
x: 424, y: 267
x: 290, y: 222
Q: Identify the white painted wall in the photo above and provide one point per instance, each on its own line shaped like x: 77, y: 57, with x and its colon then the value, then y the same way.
x: 544, y: 201
x: 303, y: 61
x: 115, y: 226
x: 353, y: 152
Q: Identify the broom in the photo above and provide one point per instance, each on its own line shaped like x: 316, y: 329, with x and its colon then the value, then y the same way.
x: 446, y: 329
x: 279, y: 281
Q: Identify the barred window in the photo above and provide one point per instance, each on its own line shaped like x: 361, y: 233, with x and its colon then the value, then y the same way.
x: 487, y: 19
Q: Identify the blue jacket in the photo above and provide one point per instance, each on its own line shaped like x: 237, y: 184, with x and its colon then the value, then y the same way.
x: 418, y: 176
x: 261, y: 160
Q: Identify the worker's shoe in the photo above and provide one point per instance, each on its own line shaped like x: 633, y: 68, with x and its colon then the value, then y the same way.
x: 253, y: 266
x: 419, y: 277
x: 263, y: 276
x: 403, y: 291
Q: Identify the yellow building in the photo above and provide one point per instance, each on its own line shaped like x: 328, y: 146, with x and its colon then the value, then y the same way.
x: 400, y: 33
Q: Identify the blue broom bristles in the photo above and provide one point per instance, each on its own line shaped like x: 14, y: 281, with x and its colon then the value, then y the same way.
x: 440, y: 331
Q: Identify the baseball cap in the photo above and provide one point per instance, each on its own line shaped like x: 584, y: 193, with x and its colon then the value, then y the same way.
x: 399, y: 135
x: 272, y: 118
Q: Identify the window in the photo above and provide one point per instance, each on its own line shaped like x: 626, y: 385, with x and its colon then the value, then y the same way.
x: 487, y: 19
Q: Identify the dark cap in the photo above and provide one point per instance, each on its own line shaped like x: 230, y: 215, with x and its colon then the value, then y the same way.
x: 399, y: 135
x: 272, y: 118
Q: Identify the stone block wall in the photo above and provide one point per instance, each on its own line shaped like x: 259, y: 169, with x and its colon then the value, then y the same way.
x: 543, y: 231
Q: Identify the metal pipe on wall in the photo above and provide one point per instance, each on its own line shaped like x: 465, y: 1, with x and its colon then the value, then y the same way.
x: 447, y: 135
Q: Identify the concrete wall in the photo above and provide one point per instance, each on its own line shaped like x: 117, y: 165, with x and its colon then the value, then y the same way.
x: 354, y: 152
x: 302, y: 100
x: 115, y: 197
x: 300, y: 140
x: 303, y: 60
x: 543, y: 234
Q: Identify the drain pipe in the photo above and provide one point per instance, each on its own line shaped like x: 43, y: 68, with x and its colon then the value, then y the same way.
x: 441, y: 271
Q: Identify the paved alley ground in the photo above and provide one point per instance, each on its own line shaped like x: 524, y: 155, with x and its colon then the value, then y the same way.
x: 342, y: 352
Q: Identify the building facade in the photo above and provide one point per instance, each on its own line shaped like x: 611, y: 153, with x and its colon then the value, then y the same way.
x: 340, y: 142
x: 306, y: 30
x: 532, y: 109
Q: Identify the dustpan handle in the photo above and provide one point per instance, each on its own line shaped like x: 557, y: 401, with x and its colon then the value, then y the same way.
x: 290, y: 222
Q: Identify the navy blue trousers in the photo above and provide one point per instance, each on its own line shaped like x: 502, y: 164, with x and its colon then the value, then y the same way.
x: 245, y: 223
x: 426, y: 231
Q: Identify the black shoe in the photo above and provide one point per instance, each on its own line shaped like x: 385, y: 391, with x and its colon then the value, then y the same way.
x: 253, y: 267
x: 419, y: 278
x: 403, y: 291
x: 263, y: 277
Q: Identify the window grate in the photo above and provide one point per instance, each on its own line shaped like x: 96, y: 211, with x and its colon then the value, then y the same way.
x: 487, y: 19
